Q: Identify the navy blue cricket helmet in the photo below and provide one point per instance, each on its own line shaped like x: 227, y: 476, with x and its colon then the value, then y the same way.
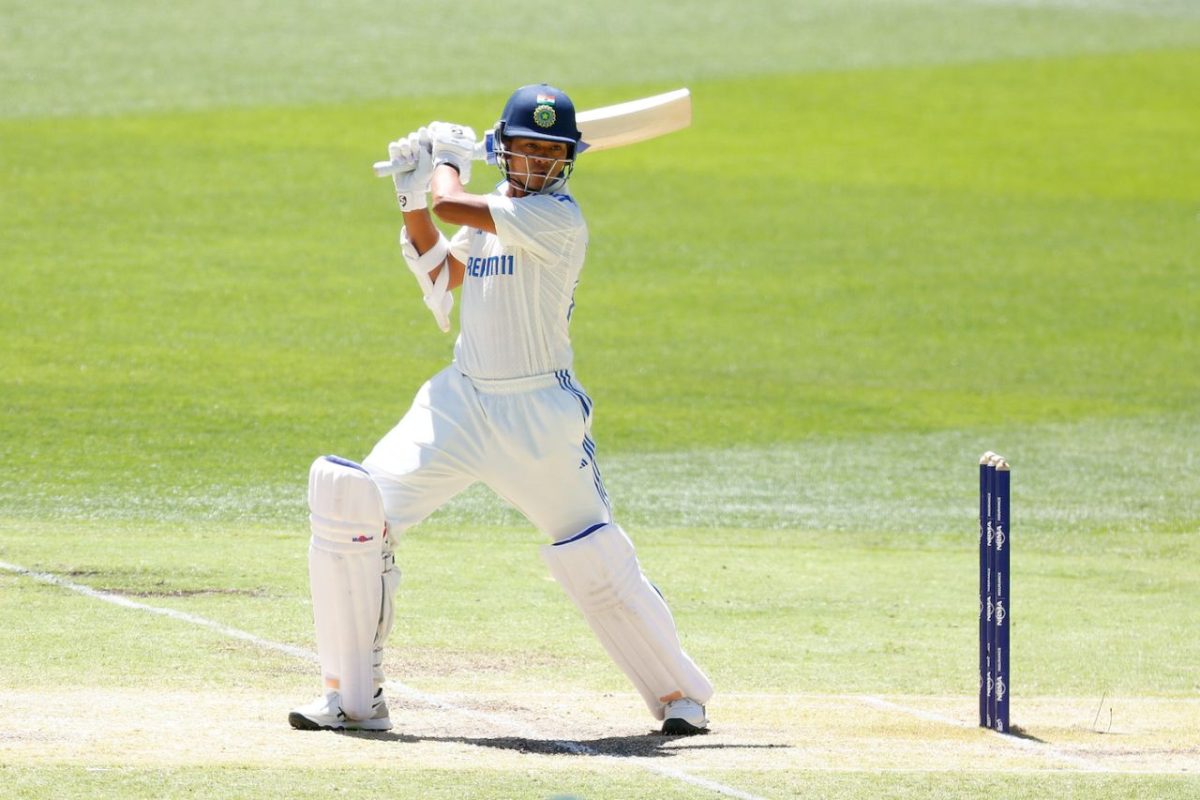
x: 540, y: 111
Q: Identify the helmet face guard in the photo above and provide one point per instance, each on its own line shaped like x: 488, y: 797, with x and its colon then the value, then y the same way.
x: 538, y: 111
x: 556, y: 174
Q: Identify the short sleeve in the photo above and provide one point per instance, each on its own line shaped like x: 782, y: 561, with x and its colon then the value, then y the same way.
x: 460, y: 244
x: 544, y: 225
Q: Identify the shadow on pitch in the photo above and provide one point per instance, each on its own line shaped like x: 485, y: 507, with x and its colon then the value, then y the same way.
x: 650, y: 745
x: 1021, y: 733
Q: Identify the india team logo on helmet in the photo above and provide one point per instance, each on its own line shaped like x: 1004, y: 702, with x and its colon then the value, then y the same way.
x: 544, y: 116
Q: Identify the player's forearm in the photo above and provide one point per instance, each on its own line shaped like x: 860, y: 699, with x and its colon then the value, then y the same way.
x: 454, y: 204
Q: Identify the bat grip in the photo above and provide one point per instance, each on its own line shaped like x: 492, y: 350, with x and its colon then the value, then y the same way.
x: 484, y: 151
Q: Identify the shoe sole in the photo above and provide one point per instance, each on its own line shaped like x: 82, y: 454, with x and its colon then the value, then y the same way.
x: 303, y: 723
x: 681, y: 727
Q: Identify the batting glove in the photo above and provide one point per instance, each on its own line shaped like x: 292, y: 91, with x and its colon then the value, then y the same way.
x: 411, y: 186
x: 453, y: 145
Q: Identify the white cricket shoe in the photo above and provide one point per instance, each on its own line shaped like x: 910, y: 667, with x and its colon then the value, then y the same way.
x: 684, y: 718
x: 325, y: 714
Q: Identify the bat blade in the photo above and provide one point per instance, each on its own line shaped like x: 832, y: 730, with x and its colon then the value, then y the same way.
x: 635, y: 121
x: 605, y: 128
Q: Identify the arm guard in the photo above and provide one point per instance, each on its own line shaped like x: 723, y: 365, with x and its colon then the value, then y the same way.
x: 438, y: 298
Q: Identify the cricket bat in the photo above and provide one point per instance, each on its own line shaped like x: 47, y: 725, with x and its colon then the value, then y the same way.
x: 602, y: 128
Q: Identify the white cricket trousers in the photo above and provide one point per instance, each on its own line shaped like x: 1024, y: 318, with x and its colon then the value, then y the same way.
x: 528, y: 439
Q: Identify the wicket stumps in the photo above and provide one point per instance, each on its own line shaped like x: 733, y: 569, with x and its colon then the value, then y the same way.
x: 995, y: 610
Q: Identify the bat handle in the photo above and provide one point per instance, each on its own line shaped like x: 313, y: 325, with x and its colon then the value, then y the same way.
x: 484, y: 151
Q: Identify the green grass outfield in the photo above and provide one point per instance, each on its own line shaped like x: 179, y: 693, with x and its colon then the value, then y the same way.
x: 897, y: 234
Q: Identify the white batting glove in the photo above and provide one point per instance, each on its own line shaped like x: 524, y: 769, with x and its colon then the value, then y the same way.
x: 453, y: 145
x: 412, y: 186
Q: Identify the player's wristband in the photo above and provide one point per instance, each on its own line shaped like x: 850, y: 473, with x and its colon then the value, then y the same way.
x: 412, y: 201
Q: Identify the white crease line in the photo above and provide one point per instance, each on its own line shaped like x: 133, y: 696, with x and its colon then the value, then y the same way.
x: 1015, y: 741
x: 182, y: 616
x: 413, y: 694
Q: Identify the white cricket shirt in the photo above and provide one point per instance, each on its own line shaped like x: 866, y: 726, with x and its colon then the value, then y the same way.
x: 518, y: 290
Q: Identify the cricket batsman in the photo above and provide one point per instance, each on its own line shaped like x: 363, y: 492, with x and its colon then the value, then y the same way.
x: 508, y: 411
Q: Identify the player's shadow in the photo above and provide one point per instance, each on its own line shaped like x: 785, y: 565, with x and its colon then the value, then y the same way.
x: 651, y: 745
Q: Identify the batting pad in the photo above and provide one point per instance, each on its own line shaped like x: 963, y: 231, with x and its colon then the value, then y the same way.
x: 345, y: 568
x: 600, y: 572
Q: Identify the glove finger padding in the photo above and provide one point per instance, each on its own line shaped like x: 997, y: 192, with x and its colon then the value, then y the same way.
x: 406, y: 147
x: 400, y: 150
x: 454, y: 145
x: 411, y: 187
